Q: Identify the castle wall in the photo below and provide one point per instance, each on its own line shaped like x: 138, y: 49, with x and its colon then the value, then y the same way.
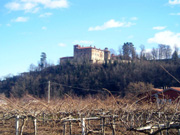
x: 64, y: 60
x: 82, y: 54
x: 97, y: 56
x: 107, y: 55
x: 88, y: 54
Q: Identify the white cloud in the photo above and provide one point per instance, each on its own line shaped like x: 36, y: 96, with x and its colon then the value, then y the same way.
x: 57, y: 4
x: 83, y: 42
x: 21, y: 19
x: 134, y: 18
x: 45, y: 15
x: 111, y: 24
x: 174, y: 13
x: 177, y: 24
x: 27, y: 7
x: 8, y: 25
x: 61, y: 44
x: 159, y: 28
x: 166, y: 37
x: 44, y: 28
x: 34, y: 5
x: 13, y: 6
x: 130, y: 37
x: 174, y: 2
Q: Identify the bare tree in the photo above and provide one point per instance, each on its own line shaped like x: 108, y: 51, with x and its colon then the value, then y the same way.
x: 142, y: 53
x: 154, y: 53
x: 161, y: 51
x: 168, y: 52
x: 32, y: 67
x: 148, y: 56
x: 164, y: 51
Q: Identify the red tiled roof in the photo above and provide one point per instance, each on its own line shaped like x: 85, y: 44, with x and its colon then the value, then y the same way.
x: 176, y: 88
x: 89, y: 47
x: 158, y: 90
x: 84, y: 47
x: 172, y: 88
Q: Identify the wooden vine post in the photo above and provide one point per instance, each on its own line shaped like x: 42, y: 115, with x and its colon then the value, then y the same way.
x: 70, y: 127
x: 64, y: 126
x: 114, y: 126
x: 17, y: 125
x: 23, y: 125
x: 35, y: 126
x: 3, y: 119
x: 102, y: 125
x: 83, y: 126
x: 49, y: 91
x: 43, y: 118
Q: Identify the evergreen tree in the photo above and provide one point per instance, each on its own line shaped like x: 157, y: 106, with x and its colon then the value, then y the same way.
x: 43, y: 62
x: 175, y: 56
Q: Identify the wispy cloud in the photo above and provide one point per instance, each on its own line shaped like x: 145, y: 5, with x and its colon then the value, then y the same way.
x: 44, y: 28
x: 8, y: 25
x: 27, y: 7
x: 20, y: 19
x: 34, y: 5
x: 174, y: 14
x: 45, y: 15
x: 56, y: 4
x: 111, y: 24
x: 130, y: 36
x: 83, y: 42
x: 134, y: 18
x: 61, y: 44
x: 159, y: 28
x: 174, y: 2
x: 166, y: 37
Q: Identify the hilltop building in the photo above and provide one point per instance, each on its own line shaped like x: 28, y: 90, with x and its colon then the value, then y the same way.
x: 87, y: 54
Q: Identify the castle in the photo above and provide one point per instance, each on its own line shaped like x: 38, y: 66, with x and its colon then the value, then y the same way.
x: 87, y: 54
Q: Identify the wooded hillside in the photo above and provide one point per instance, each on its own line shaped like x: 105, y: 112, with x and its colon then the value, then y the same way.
x: 82, y: 79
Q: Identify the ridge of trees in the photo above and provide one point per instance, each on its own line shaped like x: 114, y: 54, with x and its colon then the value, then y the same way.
x: 81, y: 79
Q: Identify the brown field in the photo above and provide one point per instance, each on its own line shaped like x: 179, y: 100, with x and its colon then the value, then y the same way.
x: 102, y: 115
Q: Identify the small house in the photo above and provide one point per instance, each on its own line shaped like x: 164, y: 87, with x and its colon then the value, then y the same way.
x: 170, y: 94
x: 161, y: 95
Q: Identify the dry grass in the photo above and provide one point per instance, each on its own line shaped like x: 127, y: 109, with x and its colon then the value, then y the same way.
x: 50, y: 117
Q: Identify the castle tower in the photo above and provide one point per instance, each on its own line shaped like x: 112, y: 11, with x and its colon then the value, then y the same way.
x: 76, y: 47
x: 106, y: 54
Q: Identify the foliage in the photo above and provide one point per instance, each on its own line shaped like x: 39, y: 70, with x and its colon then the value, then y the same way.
x: 83, y: 79
x: 175, y: 56
x: 119, y: 76
x: 43, y: 62
x: 128, y: 51
x: 138, y: 87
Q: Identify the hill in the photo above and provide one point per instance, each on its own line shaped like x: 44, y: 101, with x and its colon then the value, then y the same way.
x: 83, y: 79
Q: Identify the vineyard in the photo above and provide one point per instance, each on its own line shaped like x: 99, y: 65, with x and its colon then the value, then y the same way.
x: 91, y: 115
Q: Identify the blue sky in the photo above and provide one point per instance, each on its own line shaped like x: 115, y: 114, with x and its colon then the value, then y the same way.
x: 29, y: 27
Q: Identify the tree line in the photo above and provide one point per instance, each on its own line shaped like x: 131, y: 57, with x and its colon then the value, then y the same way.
x: 128, y: 51
x: 121, y: 78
